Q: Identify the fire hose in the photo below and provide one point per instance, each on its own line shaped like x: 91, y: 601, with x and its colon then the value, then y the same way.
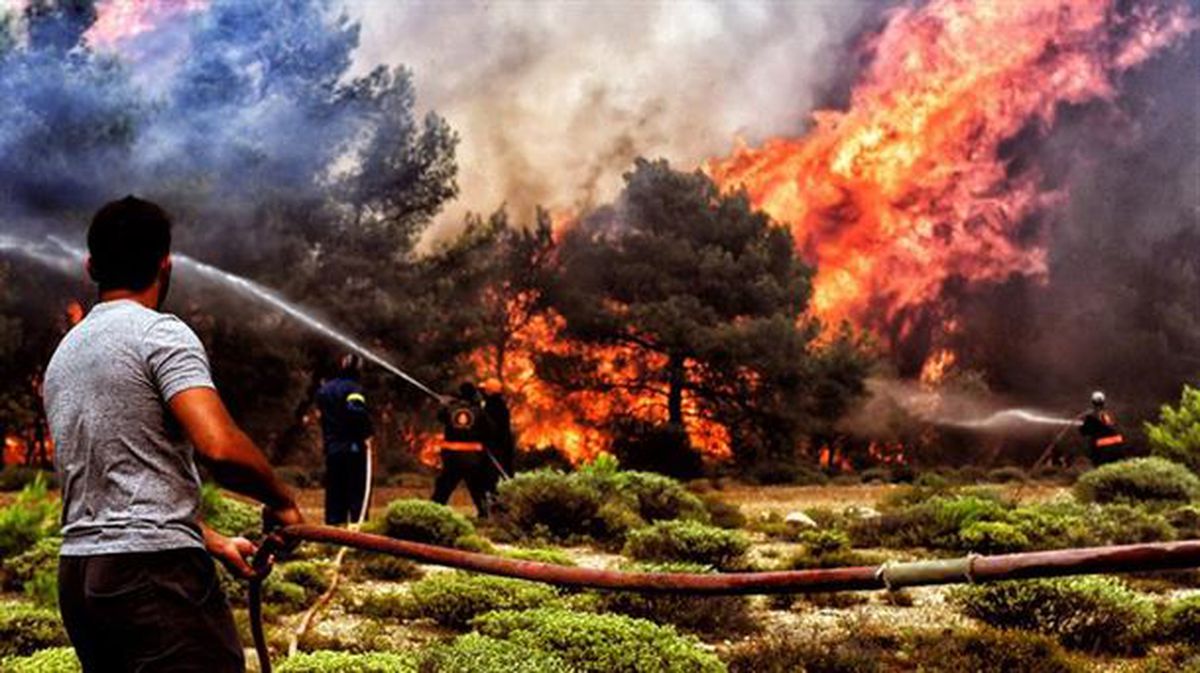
x: 890, y: 576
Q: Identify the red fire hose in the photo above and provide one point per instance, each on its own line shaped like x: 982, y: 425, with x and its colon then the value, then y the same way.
x: 973, y: 568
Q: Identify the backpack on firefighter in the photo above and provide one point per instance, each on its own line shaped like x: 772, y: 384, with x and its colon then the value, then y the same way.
x: 1105, y: 443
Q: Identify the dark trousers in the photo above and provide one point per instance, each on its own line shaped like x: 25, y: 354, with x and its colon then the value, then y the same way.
x: 154, y: 611
x: 471, y: 466
x: 345, y: 486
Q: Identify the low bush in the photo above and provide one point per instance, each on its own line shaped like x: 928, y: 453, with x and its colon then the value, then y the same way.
x: 33, y: 515
x: 53, y: 660
x: 1181, y: 620
x: 1085, y: 613
x: 473, y: 653
x: 1186, y: 521
x: 227, y: 515
x: 25, y: 629
x: 934, y: 523
x: 1007, y: 475
x: 390, y: 604
x: 600, y: 643
x: 821, y: 542
x: 818, y: 652
x: 15, y: 572
x: 281, y: 594
x: 426, y: 522
x: 705, y: 615
x: 659, y: 498
x: 689, y: 542
x: 345, y: 662
x: 548, y: 504
x: 42, y: 588
x: 313, y: 576
x: 359, y: 637
x: 454, y: 599
x: 993, y: 537
x: 368, y: 565
x: 956, y: 651
x: 721, y: 513
x: 1176, y: 436
x: 1139, y: 480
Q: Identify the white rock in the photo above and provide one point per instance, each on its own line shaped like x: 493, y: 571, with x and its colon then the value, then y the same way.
x: 799, y: 519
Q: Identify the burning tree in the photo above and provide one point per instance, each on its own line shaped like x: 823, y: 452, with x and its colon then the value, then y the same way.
x: 706, y: 301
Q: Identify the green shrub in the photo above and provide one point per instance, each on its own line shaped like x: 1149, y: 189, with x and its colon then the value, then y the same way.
x: 33, y: 515
x: 599, y: 643
x: 959, y: 651
x: 1186, y: 521
x: 229, y: 516
x: 42, y: 589
x: 19, y: 569
x: 313, y: 576
x: 473, y: 653
x: 1152, y: 480
x: 287, y: 596
x: 453, y: 599
x: 707, y: 615
x: 689, y: 542
x: 659, y: 498
x: 934, y: 522
x: 1087, y: 613
x: 389, y: 605
x: 359, y: 636
x: 822, y: 542
x: 345, y: 662
x: 25, y: 629
x: 542, y: 555
x: 53, y: 660
x: 549, y: 504
x: 865, y: 652
x: 1007, y: 475
x: 369, y: 565
x: 1181, y: 620
x: 1126, y: 524
x: 427, y: 522
x: 721, y: 513
x: 993, y: 537
x: 1176, y: 436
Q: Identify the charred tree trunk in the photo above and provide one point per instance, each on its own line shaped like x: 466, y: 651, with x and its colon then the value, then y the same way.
x: 676, y: 379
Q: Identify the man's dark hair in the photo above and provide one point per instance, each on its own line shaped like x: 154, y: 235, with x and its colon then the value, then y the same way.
x: 128, y: 240
x: 350, y: 366
x: 468, y: 391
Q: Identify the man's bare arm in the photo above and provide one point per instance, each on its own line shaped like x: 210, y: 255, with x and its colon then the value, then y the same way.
x: 235, y: 462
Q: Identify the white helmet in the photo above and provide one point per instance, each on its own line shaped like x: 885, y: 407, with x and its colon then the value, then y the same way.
x: 1098, y: 399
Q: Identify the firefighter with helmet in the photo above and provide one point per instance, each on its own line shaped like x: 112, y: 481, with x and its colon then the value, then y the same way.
x: 466, y: 432
x: 346, y: 429
x: 1105, y: 443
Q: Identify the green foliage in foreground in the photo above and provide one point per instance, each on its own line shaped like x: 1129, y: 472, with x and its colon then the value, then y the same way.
x: 344, y: 662
x: 595, y: 643
x: 689, y: 542
x: 1176, y: 435
x: 473, y: 653
x: 949, y: 651
x: 1139, y: 480
x: 32, y: 516
x: 53, y: 660
x: 716, y: 616
x: 453, y: 599
x: 25, y: 629
x: 1098, y: 614
x: 18, y: 570
x: 427, y: 522
x: 227, y: 515
x: 1181, y: 621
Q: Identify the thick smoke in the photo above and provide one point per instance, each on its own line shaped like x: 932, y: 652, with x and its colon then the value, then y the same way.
x: 555, y: 100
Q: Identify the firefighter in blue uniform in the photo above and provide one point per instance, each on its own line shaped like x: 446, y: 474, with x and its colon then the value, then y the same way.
x: 346, y: 428
x: 466, y: 431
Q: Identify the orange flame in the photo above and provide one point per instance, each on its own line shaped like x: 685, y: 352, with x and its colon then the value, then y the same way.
x: 907, y: 189
x: 120, y: 20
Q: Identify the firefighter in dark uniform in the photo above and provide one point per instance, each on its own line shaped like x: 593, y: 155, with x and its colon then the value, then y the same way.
x: 346, y: 428
x: 1105, y: 443
x: 501, y: 443
x: 464, y: 455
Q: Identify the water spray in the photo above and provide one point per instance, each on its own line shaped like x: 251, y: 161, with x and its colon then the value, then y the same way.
x: 66, y: 258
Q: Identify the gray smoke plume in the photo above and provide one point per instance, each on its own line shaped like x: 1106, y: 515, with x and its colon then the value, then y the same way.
x: 555, y: 100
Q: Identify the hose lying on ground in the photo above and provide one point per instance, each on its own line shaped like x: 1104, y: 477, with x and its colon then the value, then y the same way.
x: 973, y: 568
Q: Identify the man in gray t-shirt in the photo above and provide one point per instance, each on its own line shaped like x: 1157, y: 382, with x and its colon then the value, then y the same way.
x: 131, y: 406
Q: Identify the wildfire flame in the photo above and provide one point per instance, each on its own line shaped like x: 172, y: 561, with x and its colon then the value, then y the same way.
x: 908, y: 188
x: 121, y: 20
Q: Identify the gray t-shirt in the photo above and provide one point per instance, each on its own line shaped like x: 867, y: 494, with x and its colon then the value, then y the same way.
x: 129, y: 479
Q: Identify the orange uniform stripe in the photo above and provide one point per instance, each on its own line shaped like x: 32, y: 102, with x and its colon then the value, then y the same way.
x: 462, y: 446
x: 1110, y: 440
